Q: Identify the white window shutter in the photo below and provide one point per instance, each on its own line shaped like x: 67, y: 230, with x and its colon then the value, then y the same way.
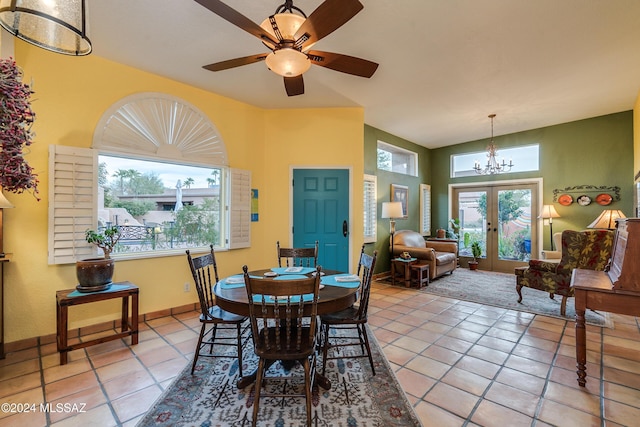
x: 73, y: 194
x: 425, y: 210
x: 240, y: 210
x: 370, y: 209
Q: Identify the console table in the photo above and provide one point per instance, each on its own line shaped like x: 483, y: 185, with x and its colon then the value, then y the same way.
x: 70, y: 297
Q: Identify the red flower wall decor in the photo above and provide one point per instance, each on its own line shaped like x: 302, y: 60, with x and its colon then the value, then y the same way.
x: 16, y: 119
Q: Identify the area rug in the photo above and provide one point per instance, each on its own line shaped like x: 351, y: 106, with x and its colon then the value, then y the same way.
x: 499, y: 289
x: 210, y: 398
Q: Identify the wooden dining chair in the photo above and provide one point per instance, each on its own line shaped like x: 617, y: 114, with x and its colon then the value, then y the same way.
x: 297, y: 257
x: 283, y: 316
x: 353, y: 319
x: 225, y: 329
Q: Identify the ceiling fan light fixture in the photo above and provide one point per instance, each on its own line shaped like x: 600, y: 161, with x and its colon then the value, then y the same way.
x: 288, y: 24
x: 288, y: 62
x: 57, y: 26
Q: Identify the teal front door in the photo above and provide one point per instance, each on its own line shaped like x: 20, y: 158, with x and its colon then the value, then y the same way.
x: 321, y: 212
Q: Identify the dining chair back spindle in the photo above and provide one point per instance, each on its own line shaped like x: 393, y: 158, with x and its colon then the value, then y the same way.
x: 224, y: 328
x: 353, y: 318
x: 297, y: 257
x: 282, y: 331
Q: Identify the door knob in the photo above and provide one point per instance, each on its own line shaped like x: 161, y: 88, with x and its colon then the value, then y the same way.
x: 345, y: 228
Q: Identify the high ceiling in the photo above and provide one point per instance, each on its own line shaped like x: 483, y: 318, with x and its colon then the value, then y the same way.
x: 445, y: 65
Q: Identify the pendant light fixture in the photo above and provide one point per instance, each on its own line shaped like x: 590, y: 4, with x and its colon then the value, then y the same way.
x: 493, y: 166
x: 55, y: 25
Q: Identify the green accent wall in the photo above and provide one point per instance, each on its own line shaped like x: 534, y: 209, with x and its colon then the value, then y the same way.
x: 384, y: 181
x: 596, y: 152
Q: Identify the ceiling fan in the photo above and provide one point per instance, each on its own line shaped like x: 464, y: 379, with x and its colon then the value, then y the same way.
x: 290, y: 37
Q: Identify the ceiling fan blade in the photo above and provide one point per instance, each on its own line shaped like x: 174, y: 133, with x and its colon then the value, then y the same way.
x: 343, y: 63
x: 327, y: 18
x: 237, y: 19
x: 294, y: 85
x: 237, y: 62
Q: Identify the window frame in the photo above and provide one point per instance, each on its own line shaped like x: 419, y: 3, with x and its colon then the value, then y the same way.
x: 511, y: 152
x: 412, y: 165
x: 148, y: 126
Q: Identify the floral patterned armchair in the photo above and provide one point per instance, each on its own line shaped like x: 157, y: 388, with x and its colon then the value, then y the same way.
x: 590, y: 249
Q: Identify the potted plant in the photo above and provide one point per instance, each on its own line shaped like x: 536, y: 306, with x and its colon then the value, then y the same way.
x: 95, y: 274
x: 476, y: 251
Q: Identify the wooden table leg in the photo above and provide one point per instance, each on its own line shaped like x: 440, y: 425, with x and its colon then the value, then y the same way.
x: 407, y: 275
x: 393, y: 272
x: 61, y: 325
x: 134, y: 318
x: 581, y: 339
x: 124, y: 321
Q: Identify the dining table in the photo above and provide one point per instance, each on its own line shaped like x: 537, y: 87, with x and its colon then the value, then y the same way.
x: 338, y: 291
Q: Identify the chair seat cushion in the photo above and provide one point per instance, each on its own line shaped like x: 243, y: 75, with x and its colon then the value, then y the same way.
x: 444, y: 258
x: 219, y: 315
x: 348, y: 315
x: 287, y: 350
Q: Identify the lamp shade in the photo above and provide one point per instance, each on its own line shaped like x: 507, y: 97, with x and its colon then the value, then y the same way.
x: 58, y: 26
x: 607, y: 219
x: 4, y: 203
x: 392, y: 210
x: 548, y: 211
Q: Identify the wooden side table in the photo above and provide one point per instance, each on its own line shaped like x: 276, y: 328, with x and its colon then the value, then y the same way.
x: 405, y: 264
x: 69, y: 297
x: 420, y: 274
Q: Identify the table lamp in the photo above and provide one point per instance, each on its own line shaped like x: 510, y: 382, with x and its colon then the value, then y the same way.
x: 549, y: 212
x: 4, y: 204
x: 607, y: 219
x: 392, y: 210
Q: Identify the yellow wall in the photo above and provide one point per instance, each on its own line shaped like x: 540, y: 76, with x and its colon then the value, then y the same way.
x: 71, y: 94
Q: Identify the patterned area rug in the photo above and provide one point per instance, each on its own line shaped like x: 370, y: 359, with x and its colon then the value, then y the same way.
x: 499, y: 289
x: 210, y: 398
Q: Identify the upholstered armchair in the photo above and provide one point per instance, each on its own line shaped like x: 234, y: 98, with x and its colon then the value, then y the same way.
x: 590, y: 249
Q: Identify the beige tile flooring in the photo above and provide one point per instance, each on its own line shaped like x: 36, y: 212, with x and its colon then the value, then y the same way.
x: 460, y: 363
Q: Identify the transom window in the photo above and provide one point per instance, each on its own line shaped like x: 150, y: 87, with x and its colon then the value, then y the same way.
x: 396, y: 159
x: 525, y: 158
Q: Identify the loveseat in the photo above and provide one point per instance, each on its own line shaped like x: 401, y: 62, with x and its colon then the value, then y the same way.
x: 442, y: 257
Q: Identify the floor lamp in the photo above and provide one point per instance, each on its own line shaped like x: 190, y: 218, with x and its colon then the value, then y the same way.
x: 549, y: 212
x: 392, y: 211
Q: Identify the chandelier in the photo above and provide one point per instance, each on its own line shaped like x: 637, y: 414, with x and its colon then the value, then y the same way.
x: 493, y: 166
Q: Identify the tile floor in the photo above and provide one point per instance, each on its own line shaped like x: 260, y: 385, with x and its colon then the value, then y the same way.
x: 460, y: 363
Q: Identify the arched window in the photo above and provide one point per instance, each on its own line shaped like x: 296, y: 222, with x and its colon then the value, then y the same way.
x: 158, y: 170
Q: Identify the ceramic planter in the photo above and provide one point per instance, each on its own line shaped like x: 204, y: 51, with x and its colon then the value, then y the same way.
x: 94, y: 274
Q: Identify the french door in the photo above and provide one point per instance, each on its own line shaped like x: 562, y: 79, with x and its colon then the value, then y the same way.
x: 502, y: 218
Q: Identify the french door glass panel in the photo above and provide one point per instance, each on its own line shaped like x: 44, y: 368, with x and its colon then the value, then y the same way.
x: 500, y: 219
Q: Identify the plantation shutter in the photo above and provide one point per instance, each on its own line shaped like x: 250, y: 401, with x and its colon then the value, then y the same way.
x: 370, y: 208
x: 73, y: 191
x: 425, y: 210
x: 240, y: 210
